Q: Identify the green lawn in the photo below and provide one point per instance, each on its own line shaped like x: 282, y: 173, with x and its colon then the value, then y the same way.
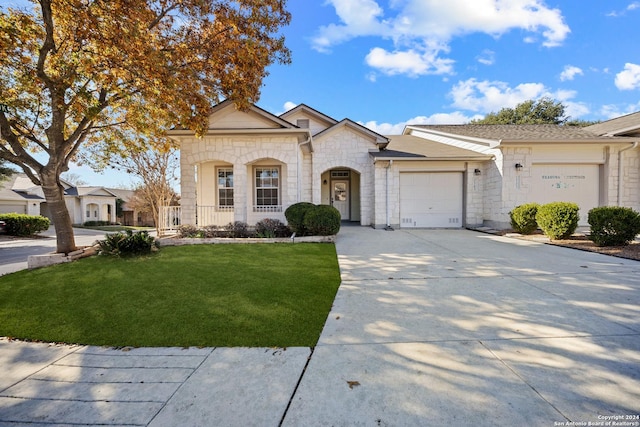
x: 203, y: 295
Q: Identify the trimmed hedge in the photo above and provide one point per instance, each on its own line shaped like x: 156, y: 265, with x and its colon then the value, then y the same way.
x: 322, y: 220
x: 613, y: 225
x: 295, y: 217
x: 523, y: 218
x: 24, y: 225
x: 558, y: 220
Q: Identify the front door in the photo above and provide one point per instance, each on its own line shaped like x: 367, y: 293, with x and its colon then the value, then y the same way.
x: 340, y: 198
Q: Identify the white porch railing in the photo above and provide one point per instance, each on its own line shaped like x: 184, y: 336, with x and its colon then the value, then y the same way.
x: 214, y: 215
x: 171, y: 216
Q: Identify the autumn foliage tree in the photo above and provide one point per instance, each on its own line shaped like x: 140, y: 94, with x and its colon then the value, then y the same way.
x: 80, y: 73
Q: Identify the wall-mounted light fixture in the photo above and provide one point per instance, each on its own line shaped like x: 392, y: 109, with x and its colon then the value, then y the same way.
x: 324, y: 182
x: 477, y: 172
x: 518, y: 166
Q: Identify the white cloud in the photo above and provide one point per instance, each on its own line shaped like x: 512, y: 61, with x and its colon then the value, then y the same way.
x: 487, y: 96
x: 409, y: 62
x: 421, y: 30
x: 611, y: 111
x: 492, y: 96
x: 488, y: 57
x: 570, y: 72
x: 454, y: 118
x: 629, y: 78
x: 631, y: 7
x: 289, y: 105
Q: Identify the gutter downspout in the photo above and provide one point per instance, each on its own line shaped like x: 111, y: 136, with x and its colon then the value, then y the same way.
x: 621, y: 170
x: 299, y: 165
x: 388, y: 227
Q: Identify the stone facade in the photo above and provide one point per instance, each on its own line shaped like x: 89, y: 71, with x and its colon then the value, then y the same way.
x: 311, y: 151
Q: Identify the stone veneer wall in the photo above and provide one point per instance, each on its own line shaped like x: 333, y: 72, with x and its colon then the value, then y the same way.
x: 241, y: 152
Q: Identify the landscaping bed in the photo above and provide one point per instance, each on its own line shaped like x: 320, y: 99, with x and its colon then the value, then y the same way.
x: 582, y: 242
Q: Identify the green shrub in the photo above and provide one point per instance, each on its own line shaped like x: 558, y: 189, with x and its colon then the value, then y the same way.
x: 269, y: 228
x: 322, y: 220
x: 24, y: 225
x: 127, y: 244
x: 613, y: 225
x: 295, y: 217
x: 523, y: 218
x: 558, y: 220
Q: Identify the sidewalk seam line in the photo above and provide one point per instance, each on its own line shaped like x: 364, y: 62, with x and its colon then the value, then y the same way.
x: 164, y: 405
x: 295, y: 389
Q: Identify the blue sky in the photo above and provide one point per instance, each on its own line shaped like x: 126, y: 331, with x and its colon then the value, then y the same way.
x: 389, y: 63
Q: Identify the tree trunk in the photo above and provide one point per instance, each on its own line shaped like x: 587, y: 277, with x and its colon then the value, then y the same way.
x: 54, y: 194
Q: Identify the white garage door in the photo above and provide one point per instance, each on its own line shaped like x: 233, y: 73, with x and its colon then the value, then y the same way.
x: 431, y: 200
x: 9, y: 208
x: 567, y: 183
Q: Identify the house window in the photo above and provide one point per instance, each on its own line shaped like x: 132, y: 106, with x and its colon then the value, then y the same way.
x: 88, y: 213
x: 225, y: 188
x: 267, y: 187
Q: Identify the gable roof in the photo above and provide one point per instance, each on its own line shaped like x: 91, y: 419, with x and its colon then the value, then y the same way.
x: 306, y: 110
x: 409, y: 147
x: 17, y: 187
x: 264, y: 114
x: 89, y: 191
x: 494, y: 135
x: 620, y: 126
x: 380, y: 140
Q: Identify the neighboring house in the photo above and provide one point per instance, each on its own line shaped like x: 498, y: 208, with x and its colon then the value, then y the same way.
x: 131, y: 216
x: 18, y: 194
x: 253, y: 165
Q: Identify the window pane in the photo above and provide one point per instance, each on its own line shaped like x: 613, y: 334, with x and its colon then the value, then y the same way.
x: 225, y: 187
x: 267, y: 186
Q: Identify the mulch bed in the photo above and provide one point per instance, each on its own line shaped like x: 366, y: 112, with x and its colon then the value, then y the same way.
x: 580, y: 241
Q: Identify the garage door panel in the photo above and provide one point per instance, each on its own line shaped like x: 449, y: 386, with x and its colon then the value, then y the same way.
x: 578, y: 184
x: 9, y: 208
x: 431, y: 200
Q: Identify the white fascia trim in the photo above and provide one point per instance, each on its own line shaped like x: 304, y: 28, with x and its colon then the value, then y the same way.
x: 452, y: 136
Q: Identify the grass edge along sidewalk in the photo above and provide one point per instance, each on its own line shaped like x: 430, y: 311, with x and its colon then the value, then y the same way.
x: 263, y: 295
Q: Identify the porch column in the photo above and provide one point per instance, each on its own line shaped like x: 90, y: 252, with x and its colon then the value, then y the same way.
x: 242, y: 197
x: 188, y: 198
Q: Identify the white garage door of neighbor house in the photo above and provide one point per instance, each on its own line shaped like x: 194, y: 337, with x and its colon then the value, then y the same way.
x: 567, y: 183
x: 431, y: 200
x: 21, y: 209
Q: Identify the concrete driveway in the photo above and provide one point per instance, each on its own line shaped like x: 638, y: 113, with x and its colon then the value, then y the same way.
x: 429, y: 327
x: 443, y: 327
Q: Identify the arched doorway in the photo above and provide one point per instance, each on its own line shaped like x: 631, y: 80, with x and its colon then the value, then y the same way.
x: 341, y: 189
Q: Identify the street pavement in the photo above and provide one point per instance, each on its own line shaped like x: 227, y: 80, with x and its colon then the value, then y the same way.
x: 429, y: 327
x: 14, y: 251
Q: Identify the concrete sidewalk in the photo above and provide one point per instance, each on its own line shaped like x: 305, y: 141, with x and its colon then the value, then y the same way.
x: 429, y: 327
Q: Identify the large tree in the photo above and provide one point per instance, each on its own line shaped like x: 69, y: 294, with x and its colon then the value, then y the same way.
x: 79, y: 73
x: 531, y: 112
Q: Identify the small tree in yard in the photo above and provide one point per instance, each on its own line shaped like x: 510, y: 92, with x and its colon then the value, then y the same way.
x: 79, y: 74
x: 157, y: 171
